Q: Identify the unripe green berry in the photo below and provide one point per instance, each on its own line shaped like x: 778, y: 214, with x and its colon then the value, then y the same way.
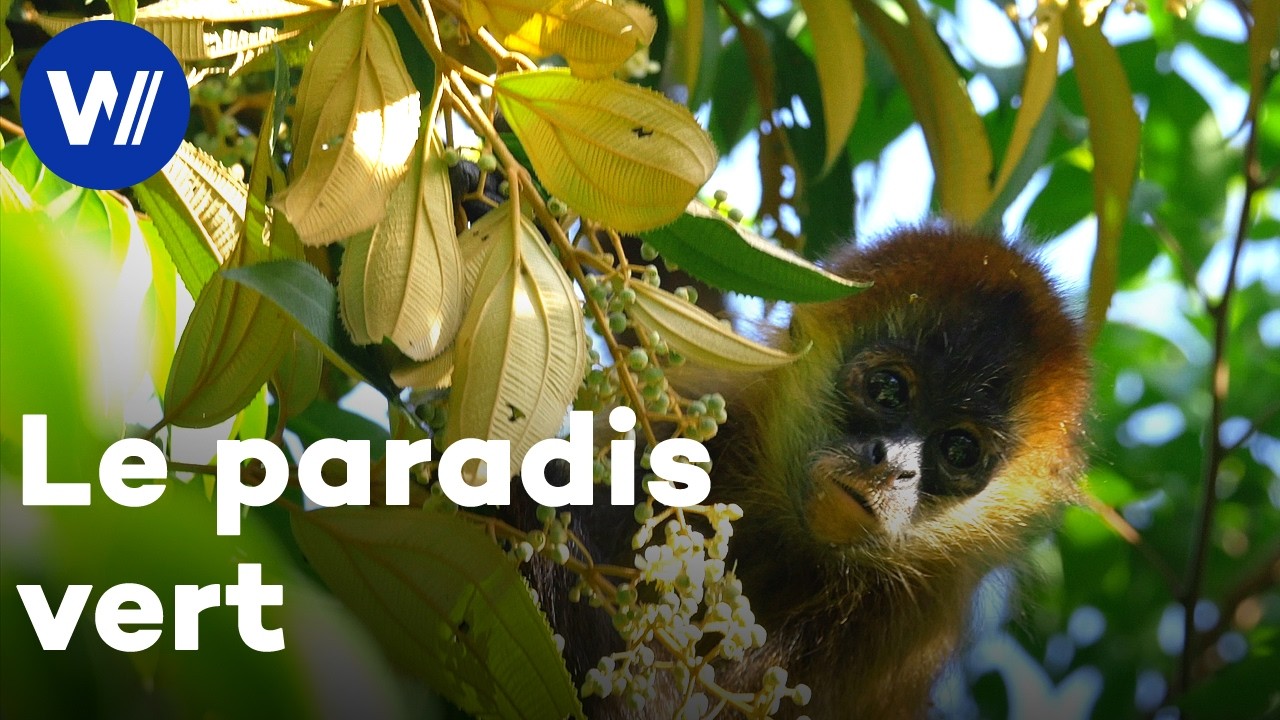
x: 637, y: 359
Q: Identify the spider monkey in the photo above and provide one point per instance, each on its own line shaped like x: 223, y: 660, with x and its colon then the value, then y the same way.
x: 933, y: 425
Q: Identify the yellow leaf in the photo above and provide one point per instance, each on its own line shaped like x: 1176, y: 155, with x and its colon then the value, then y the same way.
x: 957, y: 139
x: 199, y: 208
x: 403, y: 281
x: 356, y: 124
x: 1114, y: 134
x: 594, y: 37
x: 433, y: 374
x: 197, y: 30
x: 521, y: 352
x: 1037, y: 86
x: 839, y: 57
x: 617, y: 153
x: 698, y: 335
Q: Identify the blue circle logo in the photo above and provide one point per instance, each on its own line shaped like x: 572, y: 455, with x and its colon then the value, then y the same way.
x: 105, y: 104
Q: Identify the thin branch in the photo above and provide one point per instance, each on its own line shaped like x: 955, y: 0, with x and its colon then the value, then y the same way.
x: 1219, y: 383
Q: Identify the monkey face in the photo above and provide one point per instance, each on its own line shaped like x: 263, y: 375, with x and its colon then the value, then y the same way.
x: 945, y: 401
x: 923, y: 424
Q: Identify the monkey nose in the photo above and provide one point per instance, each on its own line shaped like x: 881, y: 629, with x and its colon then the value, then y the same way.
x: 901, y: 458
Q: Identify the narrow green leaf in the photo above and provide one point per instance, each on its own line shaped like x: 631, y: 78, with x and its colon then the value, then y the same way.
x: 839, y: 57
x: 730, y: 257
x: 446, y: 603
x: 124, y: 10
x: 1114, y: 134
x: 957, y: 139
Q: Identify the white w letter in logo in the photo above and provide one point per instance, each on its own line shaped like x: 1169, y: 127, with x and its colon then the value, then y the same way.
x: 80, y: 121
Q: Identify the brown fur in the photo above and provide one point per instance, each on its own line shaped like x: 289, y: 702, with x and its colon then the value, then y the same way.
x: 868, y: 624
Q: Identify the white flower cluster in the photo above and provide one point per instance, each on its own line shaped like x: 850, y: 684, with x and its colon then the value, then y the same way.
x: 684, y: 599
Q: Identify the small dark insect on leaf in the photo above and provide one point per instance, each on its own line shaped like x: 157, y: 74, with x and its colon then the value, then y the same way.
x: 464, y: 627
x: 516, y: 413
x: 641, y: 132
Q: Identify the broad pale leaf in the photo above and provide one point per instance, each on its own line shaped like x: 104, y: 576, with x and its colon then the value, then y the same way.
x: 617, y: 153
x: 356, y: 124
x: 521, y: 352
x: 1114, y: 135
x: 199, y: 209
x: 445, y: 603
x: 1039, y: 80
x: 433, y: 374
x: 957, y: 139
x: 403, y: 281
x: 840, y: 59
x: 698, y: 335
x: 474, y: 245
x: 197, y: 30
x: 730, y: 257
x: 594, y: 37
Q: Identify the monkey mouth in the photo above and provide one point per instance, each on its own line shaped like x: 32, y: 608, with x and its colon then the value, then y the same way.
x: 855, y: 496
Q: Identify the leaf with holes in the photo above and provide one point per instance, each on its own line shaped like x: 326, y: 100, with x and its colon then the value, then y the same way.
x: 521, y: 352
x: 617, y: 153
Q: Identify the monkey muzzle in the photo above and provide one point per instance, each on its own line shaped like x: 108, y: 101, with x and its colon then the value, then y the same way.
x: 864, y: 486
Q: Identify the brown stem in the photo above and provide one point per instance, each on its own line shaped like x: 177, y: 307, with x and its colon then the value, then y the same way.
x: 1219, y: 380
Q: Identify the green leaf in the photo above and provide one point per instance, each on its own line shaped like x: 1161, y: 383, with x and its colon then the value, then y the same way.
x: 1064, y: 201
x: 323, y: 419
x: 727, y: 256
x: 231, y: 345
x: 446, y: 603
x: 124, y: 10
x: 312, y: 303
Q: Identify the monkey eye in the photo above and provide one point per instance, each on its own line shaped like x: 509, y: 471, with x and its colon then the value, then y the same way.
x: 961, y: 449
x: 888, y: 389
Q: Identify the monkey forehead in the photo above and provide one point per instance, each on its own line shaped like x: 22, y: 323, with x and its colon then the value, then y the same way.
x: 969, y: 306
x: 950, y: 288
